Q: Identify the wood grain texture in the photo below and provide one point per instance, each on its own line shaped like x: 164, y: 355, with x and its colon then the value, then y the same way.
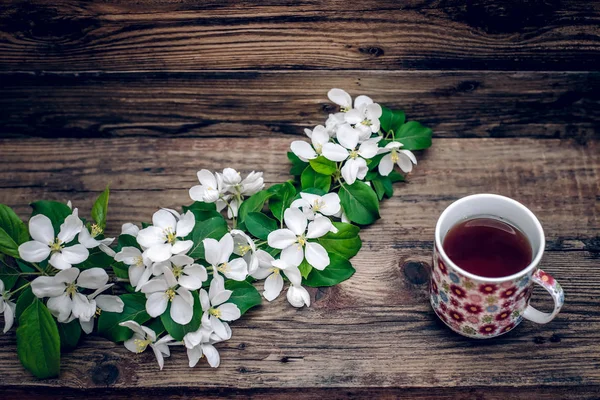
x: 248, y: 104
x: 375, y: 330
x: 69, y: 35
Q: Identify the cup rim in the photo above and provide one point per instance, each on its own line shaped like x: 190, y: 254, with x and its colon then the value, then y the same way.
x: 483, y: 196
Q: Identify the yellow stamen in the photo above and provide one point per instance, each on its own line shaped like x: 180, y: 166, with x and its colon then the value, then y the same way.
x: 177, y: 271
x: 367, y: 122
x: 71, y: 289
x: 318, y: 148
x: 98, y: 312
x: 353, y: 154
x: 171, y: 238
x: 223, y: 268
x: 56, y: 246
x: 301, y: 240
x: 139, y: 261
x: 395, y: 156
x: 96, y: 230
x: 244, y: 249
x: 170, y: 294
x: 215, y: 313
x: 275, y: 270
x: 141, y: 344
x: 317, y: 205
x: 345, y: 109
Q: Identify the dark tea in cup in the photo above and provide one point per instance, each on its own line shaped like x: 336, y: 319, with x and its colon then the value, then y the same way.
x: 488, y: 247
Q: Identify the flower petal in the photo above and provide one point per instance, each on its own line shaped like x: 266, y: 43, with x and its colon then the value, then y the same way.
x: 70, y: 228
x: 340, y: 97
x: 135, y: 327
x: 156, y: 304
x: 128, y: 255
x: 204, y: 300
x: 281, y: 238
x: 164, y: 219
x: 9, y: 315
x: 155, y: 285
x: 57, y: 260
x: 181, y: 310
x: 295, y: 220
x: 83, y: 308
x: 369, y: 148
x: 159, y: 252
x: 159, y: 356
x: 182, y: 246
x: 212, y: 355
x: 226, y: 246
x: 334, y: 152
x: 386, y: 165
x: 331, y: 204
x: 237, y: 269
x: 110, y: 303
x: 293, y: 274
x: 186, y: 224
x: 212, y: 251
x: 354, y: 116
x: 151, y: 236
x: 194, y: 355
x: 298, y: 296
x: 293, y: 255
x: 130, y: 229
x: 206, y: 178
x: 218, y: 326
x: 350, y: 170
x: 40, y: 229
x: 61, y: 307
x: 87, y: 326
x: 34, y: 251
x: 362, y: 100
x: 273, y: 286
x: 347, y: 136
x: 193, y: 276
x: 320, y: 136
x: 317, y: 256
x: 318, y: 227
x: 92, y: 278
x: 75, y: 254
x: 229, y: 312
x: 406, y: 160
x: 303, y: 150
x: 67, y: 276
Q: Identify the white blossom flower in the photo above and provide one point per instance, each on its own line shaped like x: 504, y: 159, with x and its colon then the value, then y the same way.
x: 200, y: 344
x: 341, y: 98
x: 144, y: 337
x: 365, y: 115
x: 217, y: 254
x: 7, y: 307
x: 304, y: 150
x: 66, y: 303
x: 210, y: 190
x: 89, y: 241
x: 294, y: 242
x: 311, y: 204
x: 104, y: 302
x: 140, y: 266
x: 404, y: 158
x: 130, y: 229
x: 164, y: 289
x: 334, y: 121
x: 274, y: 281
x: 244, y: 247
x: 187, y: 273
x: 298, y: 296
x: 216, y: 309
x: 252, y: 184
x: 165, y: 237
x: 355, y: 166
x: 44, y: 243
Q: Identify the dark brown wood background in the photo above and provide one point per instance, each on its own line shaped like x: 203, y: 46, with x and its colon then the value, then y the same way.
x: 142, y: 94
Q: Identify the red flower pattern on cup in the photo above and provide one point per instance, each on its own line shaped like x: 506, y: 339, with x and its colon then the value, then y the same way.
x: 507, y: 327
x: 506, y: 304
x: 488, y: 288
x: 546, y: 278
x: 434, y: 287
x: 443, y: 307
x: 456, y: 316
x: 443, y: 267
x: 504, y: 314
x: 458, y: 291
x: 488, y: 329
x: 454, y: 302
x: 508, y: 293
x: 473, y: 308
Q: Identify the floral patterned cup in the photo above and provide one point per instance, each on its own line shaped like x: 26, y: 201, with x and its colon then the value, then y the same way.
x: 480, y: 307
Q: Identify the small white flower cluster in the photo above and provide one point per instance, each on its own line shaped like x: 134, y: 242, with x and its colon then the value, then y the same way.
x: 226, y: 189
x: 352, y: 137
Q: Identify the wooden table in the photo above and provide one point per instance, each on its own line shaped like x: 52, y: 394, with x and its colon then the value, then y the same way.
x: 141, y: 95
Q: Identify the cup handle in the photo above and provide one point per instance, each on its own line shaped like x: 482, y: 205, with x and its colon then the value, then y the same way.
x: 553, y: 287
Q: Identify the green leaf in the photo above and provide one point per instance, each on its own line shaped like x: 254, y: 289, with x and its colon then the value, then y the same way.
x: 259, y: 225
x: 96, y: 259
x: 38, y: 341
x: 396, y: 176
x: 323, y: 166
x: 383, y: 186
x: 100, y: 208
x: 214, y: 228
x: 283, y: 195
x: 127, y: 241
x: 359, y: 202
x: 57, y: 212
x: 202, y: 211
x: 179, y: 331
x: 23, y: 266
x: 297, y: 164
x: 305, y: 268
x: 134, y: 309
x: 26, y: 298
x: 13, y: 232
x: 337, y: 271
x: 9, y: 275
x: 244, y: 295
x: 414, y: 136
x: 391, y: 120
x: 69, y: 334
x: 312, y: 179
x: 254, y: 203
x: 345, y: 242
x: 157, y: 326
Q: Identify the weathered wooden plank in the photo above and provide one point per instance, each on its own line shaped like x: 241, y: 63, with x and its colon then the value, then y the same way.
x: 244, y: 104
x: 374, y: 330
x: 190, y: 35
